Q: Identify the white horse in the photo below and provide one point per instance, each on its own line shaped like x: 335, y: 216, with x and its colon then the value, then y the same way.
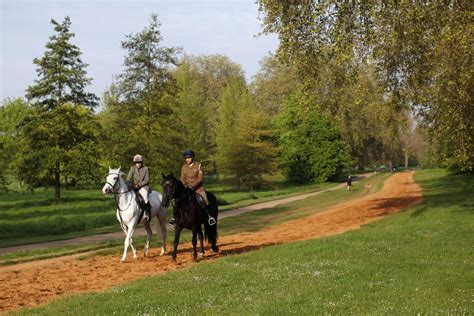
x: 128, y: 211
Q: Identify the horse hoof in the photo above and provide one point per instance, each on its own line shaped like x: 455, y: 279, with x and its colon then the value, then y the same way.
x: 201, y: 255
x: 122, y: 260
x: 162, y: 253
x: 215, y: 249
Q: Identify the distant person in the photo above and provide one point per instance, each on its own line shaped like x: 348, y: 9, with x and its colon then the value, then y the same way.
x: 193, y: 178
x: 349, y: 183
x: 139, y: 178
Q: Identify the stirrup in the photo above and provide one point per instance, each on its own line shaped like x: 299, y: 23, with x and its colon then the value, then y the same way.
x: 211, y: 221
x: 172, y: 221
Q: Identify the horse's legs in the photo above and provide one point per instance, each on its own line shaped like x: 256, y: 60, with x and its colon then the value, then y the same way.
x: 194, y: 244
x: 201, y: 241
x: 134, y: 251
x: 177, y: 232
x: 149, y: 235
x: 162, y: 225
x: 127, y: 242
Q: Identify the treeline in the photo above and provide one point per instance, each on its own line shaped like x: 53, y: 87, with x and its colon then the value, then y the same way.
x: 320, y: 106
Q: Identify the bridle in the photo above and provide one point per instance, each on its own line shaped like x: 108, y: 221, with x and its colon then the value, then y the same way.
x: 118, y: 193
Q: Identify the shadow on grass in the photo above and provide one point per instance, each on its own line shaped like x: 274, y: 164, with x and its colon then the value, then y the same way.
x: 461, y: 189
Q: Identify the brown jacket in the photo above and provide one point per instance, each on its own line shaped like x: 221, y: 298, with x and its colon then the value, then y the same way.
x: 191, y: 176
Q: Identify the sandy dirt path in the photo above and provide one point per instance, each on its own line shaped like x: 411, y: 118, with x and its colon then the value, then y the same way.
x: 141, y: 231
x: 38, y: 282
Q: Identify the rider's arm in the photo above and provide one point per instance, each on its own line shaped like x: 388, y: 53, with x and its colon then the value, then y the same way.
x: 146, y: 178
x: 130, y: 175
x: 199, y: 180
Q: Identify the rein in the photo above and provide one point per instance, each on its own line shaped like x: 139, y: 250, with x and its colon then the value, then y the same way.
x: 116, y: 200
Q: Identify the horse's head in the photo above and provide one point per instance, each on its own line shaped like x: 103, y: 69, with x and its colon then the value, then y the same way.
x: 170, y: 188
x: 112, y: 181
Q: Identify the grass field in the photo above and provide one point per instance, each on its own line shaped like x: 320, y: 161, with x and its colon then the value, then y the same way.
x: 417, y: 261
x: 31, y: 218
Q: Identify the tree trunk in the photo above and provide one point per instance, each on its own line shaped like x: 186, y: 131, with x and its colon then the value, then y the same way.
x: 405, y: 152
x: 57, y: 184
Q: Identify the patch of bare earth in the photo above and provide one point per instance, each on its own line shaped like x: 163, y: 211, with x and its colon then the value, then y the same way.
x: 35, y: 283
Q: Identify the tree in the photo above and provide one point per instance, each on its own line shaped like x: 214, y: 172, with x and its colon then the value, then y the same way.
x: 191, y: 110
x: 12, y: 113
x: 61, y: 73
x: 210, y: 75
x: 422, y: 54
x: 61, y: 110
x: 310, y: 147
x: 274, y: 83
x: 143, y: 103
x: 59, y: 144
x: 244, y: 150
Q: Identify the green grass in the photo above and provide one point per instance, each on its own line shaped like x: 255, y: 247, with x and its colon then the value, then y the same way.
x: 31, y: 218
x: 252, y: 221
x: 416, y: 261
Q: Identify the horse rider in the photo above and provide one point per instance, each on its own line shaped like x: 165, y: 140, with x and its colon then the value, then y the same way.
x: 192, y: 177
x: 138, y: 178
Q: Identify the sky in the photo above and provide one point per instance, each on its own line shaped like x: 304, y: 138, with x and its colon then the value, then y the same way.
x: 199, y: 27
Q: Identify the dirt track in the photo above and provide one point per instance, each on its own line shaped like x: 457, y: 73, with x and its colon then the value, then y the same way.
x: 35, y: 283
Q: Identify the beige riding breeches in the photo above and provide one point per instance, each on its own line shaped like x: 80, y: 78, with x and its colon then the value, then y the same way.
x: 144, y: 193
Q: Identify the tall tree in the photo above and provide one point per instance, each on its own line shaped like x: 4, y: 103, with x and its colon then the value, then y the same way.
x: 274, y: 83
x: 211, y: 74
x: 244, y: 150
x: 145, y: 100
x: 62, y: 75
x: 59, y: 98
x: 191, y: 111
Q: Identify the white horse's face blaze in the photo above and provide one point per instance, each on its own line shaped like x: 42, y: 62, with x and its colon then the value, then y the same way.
x: 111, y: 181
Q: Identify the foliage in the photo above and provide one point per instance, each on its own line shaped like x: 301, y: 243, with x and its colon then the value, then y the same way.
x: 59, y: 137
x: 60, y: 141
x: 191, y: 111
x: 244, y: 150
x: 12, y: 112
x: 274, y: 83
x: 139, y: 113
x: 422, y: 54
x: 201, y: 80
x: 61, y: 73
x: 310, y: 147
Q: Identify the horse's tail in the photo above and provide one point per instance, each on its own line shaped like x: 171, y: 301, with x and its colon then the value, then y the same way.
x: 210, y: 232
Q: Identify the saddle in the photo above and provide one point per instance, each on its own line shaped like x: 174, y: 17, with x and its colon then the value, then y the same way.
x: 200, y: 200
x: 140, y: 200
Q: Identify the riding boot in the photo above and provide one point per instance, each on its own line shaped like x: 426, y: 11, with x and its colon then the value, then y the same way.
x: 172, y: 220
x: 148, y: 212
x: 211, y: 220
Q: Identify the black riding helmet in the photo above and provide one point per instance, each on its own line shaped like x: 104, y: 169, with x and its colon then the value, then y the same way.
x: 188, y: 153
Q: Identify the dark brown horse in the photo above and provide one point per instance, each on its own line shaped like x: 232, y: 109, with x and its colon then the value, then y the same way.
x: 189, y: 214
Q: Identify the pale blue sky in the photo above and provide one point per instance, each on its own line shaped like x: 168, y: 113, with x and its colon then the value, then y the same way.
x: 200, y: 27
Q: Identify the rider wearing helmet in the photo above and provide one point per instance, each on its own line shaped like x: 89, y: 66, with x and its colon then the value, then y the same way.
x: 192, y: 177
x: 138, y: 177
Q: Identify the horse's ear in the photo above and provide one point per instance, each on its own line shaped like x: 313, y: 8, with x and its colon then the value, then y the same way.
x: 110, y: 169
x: 119, y: 168
x: 172, y: 174
x: 163, y: 175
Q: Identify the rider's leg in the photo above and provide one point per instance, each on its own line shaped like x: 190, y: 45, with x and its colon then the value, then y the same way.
x: 211, y: 220
x: 144, y: 193
x: 172, y: 220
